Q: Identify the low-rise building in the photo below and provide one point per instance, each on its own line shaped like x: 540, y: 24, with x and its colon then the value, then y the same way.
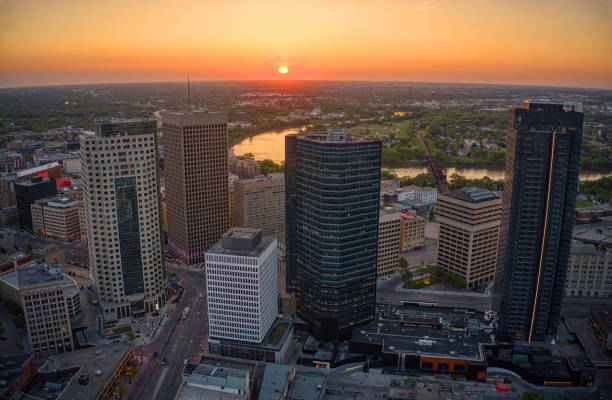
x: 93, y: 373
x: 307, y: 386
x: 429, y: 339
x: 469, y: 221
x: 16, y: 372
x: 412, y: 231
x: 59, y: 219
x: 589, y: 271
x: 389, y: 184
x: 215, y: 379
x: 426, y: 195
x: 389, y: 228
x: 276, y: 381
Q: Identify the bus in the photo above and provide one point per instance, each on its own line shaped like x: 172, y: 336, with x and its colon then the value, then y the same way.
x: 186, y: 312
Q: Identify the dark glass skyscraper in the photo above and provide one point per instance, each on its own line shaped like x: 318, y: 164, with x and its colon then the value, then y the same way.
x: 541, y: 179
x: 332, y: 192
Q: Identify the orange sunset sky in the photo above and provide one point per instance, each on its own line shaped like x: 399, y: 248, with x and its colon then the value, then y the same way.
x: 542, y: 42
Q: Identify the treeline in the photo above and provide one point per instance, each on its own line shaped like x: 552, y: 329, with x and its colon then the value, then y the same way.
x: 600, y: 189
x: 455, y: 181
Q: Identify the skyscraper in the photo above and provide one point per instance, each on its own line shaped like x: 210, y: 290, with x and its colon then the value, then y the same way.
x: 195, y: 175
x: 541, y: 179
x: 121, y: 197
x: 243, y: 311
x: 333, y: 183
x: 26, y: 194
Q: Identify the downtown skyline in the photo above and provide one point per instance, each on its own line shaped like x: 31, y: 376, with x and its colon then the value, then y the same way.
x: 433, y: 41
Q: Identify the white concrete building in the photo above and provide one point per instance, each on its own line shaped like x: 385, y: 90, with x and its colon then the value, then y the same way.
x: 424, y: 195
x: 122, y: 214
x: 241, y: 279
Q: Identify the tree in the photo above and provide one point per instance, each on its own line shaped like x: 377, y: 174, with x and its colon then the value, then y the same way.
x: 431, y: 216
x: 19, y: 321
x: 403, y: 263
x: 28, y: 248
x: 532, y: 396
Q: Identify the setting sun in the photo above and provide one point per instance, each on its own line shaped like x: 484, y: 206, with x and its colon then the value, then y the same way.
x: 283, y: 69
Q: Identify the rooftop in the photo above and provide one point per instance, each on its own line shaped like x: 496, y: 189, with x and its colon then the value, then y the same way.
x: 307, y: 386
x: 275, y: 379
x: 64, y: 202
x: 39, y: 274
x: 333, y: 136
x: 264, y: 178
x: 98, y: 364
x: 472, y: 195
x: 244, y: 242
x: 437, y: 331
x: 596, y: 234
x: 35, y: 170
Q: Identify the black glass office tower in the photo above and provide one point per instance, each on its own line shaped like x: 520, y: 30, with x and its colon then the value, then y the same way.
x: 541, y: 179
x: 333, y: 185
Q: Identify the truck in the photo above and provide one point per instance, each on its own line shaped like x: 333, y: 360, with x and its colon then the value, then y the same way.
x: 186, y: 312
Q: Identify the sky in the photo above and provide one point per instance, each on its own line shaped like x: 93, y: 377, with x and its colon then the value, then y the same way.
x: 544, y: 42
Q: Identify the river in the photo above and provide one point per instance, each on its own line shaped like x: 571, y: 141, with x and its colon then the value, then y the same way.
x: 271, y: 145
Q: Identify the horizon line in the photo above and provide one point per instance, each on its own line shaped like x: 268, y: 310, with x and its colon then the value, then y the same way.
x: 305, y: 80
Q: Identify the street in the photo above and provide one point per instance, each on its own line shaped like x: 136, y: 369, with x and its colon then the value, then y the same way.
x: 178, y: 339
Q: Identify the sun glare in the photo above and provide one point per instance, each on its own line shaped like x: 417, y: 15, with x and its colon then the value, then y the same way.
x: 283, y: 69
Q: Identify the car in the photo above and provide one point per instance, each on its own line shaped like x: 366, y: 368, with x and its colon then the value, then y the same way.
x: 200, y: 296
x: 164, y: 361
x: 186, y: 361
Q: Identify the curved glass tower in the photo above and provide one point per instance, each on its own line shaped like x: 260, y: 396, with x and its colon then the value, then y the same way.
x: 333, y: 183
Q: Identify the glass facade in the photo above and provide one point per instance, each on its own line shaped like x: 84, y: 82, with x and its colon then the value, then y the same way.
x: 542, y: 166
x: 129, y: 234
x: 334, y: 185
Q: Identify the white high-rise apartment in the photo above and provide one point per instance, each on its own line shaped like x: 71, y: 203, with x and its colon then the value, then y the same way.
x: 121, y: 198
x: 241, y: 285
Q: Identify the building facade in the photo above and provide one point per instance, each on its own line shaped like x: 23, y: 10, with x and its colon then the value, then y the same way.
x: 412, y: 231
x: 541, y: 180
x: 26, y: 194
x: 195, y: 174
x: 259, y: 203
x: 60, y: 219
x: 332, y: 203
x: 389, y: 226
x: 469, y: 231
x: 425, y: 195
x: 41, y: 288
x: 589, y: 273
x: 241, y: 285
x: 122, y: 213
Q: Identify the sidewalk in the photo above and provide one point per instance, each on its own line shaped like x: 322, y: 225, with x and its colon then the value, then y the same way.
x: 164, y: 317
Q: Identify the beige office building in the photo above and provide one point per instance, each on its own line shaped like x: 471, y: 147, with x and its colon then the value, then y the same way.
x: 389, y: 225
x: 469, y: 227
x: 412, y: 231
x: 259, y: 203
x: 59, y: 219
x: 196, y: 180
x: 41, y: 288
x: 122, y: 214
x: 589, y: 271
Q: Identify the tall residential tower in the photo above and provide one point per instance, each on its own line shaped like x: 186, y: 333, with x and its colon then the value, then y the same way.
x: 195, y: 176
x: 541, y: 180
x: 121, y: 197
x: 333, y: 184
